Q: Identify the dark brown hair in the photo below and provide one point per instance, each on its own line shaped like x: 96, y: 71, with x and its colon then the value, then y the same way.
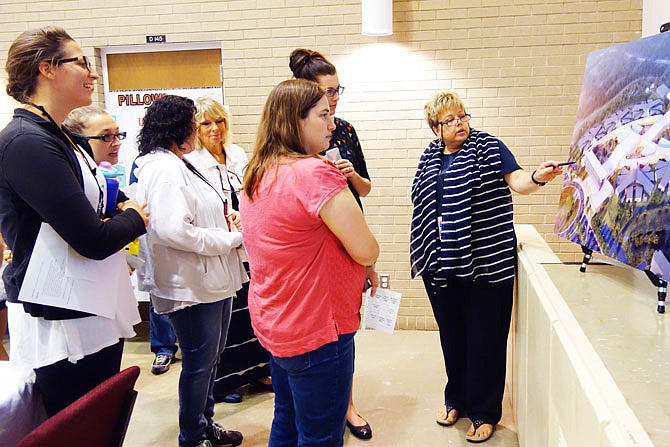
x: 26, y: 54
x: 309, y: 64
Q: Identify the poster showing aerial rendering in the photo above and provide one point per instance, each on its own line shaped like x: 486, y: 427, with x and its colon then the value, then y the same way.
x: 616, y: 197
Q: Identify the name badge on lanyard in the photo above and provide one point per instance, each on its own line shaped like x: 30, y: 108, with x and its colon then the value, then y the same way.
x: 440, y: 227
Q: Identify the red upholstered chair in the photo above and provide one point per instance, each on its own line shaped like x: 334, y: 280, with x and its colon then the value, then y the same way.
x: 99, y: 418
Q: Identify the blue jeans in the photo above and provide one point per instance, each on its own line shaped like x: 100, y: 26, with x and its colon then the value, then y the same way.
x: 312, y: 395
x: 202, y: 333
x: 162, y: 338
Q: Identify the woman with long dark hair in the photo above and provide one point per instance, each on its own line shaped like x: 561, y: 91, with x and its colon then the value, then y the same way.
x: 346, y: 152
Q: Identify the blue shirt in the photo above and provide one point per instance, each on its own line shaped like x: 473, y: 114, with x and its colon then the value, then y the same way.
x: 507, y: 159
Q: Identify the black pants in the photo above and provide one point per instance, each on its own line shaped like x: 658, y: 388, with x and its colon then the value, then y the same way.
x: 474, y: 320
x: 63, y: 382
x: 243, y: 360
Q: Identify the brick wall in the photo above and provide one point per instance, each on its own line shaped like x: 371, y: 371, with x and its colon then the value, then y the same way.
x: 518, y: 65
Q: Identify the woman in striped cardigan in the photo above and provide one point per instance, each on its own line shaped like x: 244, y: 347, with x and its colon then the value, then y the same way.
x: 463, y: 247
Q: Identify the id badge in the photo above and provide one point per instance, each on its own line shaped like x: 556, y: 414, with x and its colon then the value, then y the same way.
x: 440, y: 227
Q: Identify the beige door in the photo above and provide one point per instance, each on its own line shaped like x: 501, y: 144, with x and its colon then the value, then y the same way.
x: 134, y: 80
x: 164, y: 70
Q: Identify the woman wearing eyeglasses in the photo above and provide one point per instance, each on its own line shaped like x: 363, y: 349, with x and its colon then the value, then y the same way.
x: 464, y: 248
x: 313, y: 66
x: 95, y: 131
x: 244, y: 360
x: 348, y: 158
x: 99, y: 129
x: 45, y: 177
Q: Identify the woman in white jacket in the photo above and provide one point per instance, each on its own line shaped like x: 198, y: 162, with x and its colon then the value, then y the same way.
x: 194, y: 268
x: 244, y: 360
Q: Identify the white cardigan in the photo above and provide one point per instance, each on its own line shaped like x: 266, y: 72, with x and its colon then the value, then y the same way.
x: 191, y: 251
x: 223, y: 176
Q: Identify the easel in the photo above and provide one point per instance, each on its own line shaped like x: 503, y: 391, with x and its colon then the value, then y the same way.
x: 653, y: 277
x: 662, y: 289
x: 588, y: 255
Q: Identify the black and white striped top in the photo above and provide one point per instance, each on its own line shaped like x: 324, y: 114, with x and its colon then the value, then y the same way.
x: 472, y: 235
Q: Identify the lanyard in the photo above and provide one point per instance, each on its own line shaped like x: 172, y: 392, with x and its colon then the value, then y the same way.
x: 100, y: 208
x: 204, y: 179
x: 235, y: 202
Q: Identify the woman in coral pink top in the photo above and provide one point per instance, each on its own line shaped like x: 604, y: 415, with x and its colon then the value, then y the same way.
x: 310, y: 252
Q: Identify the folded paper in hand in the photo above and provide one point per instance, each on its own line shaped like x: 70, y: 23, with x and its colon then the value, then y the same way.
x: 59, y: 276
x: 381, y: 310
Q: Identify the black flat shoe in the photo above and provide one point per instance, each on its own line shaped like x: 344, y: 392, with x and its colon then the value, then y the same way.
x: 360, y: 431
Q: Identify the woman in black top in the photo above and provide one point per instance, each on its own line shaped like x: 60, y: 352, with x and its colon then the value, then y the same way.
x: 345, y: 151
x: 46, y: 178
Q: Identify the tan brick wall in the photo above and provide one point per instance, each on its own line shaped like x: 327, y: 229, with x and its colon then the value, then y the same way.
x: 518, y: 64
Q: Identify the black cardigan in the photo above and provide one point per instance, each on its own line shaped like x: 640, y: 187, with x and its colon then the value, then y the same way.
x: 41, y: 181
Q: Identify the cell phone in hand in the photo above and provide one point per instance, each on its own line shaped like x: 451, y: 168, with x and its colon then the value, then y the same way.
x: 333, y: 154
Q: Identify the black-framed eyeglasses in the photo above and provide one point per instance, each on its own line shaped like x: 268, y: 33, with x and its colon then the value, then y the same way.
x: 454, y: 121
x: 109, y: 137
x: 85, y: 63
x: 330, y: 92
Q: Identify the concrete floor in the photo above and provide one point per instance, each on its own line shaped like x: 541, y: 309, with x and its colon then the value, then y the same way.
x: 398, y: 388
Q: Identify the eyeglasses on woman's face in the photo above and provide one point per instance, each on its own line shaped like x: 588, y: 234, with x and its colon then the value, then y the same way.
x: 208, y: 123
x: 109, y: 137
x: 82, y: 61
x: 330, y: 92
x: 454, y: 121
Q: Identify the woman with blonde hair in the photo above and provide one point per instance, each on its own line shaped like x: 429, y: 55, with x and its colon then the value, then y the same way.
x: 244, y: 360
x: 464, y: 248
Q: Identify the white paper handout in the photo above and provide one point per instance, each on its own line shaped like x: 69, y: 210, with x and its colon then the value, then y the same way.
x: 381, y: 310
x: 59, y: 276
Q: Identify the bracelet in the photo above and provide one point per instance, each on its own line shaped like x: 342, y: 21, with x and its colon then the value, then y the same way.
x: 532, y: 177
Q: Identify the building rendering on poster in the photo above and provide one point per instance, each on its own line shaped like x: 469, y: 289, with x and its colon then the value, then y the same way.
x: 616, y: 197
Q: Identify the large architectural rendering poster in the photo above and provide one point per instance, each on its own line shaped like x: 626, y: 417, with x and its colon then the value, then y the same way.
x: 616, y: 196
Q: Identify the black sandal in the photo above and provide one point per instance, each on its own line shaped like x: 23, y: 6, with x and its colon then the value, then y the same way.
x: 445, y: 422
x: 476, y: 424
